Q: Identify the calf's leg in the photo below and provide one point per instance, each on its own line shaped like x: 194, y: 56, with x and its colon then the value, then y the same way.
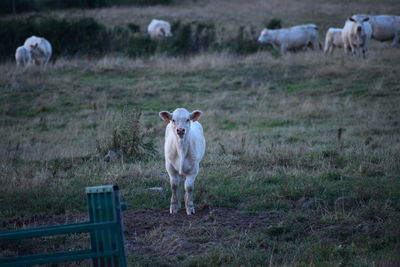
x: 189, y: 187
x: 174, y: 182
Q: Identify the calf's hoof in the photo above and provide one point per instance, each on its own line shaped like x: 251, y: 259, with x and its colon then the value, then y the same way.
x: 190, y: 210
x: 174, y: 208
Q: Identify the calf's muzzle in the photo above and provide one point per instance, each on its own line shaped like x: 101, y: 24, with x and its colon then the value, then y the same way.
x: 180, y: 132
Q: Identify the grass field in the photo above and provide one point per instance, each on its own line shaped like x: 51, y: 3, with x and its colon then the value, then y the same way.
x: 308, y: 143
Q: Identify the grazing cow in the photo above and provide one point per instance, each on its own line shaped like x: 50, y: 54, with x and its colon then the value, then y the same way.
x: 184, y: 148
x: 40, y: 48
x: 159, y: 28
x: 384, y: 27
x: 292, y: 38
x: 333, y: 39
x: 23, y: 56
x: 355, y: 34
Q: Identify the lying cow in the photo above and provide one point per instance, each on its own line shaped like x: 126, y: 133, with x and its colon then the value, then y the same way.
x: 40, y: 49
x: 159, y: 28
x: 184, y: 148
x: 23, y: 56
x: 292, y: 38
x: 384, y: 27
x: 333, y: 39
x: 355, y: 34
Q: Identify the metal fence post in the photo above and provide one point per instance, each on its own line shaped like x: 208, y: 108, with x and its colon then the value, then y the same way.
x: 104, y: 205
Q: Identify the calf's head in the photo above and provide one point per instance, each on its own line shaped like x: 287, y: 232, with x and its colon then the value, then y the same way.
x: 265, y: 37
x: 180, y: 120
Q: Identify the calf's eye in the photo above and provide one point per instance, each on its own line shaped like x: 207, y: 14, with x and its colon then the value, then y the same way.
x: 187, y: 120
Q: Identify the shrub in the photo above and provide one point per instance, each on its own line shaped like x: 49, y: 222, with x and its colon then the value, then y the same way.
x: 19, y: 6
x: 243, y: 43
x: 128, y: 138
x: 83, y: 36
x: 134, y: 27
x: 274, y: 23
x: 180, y: 42
x: 140, y: 45
x: 13, y: 34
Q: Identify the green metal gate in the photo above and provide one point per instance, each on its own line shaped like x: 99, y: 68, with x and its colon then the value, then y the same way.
x: 105, y: 227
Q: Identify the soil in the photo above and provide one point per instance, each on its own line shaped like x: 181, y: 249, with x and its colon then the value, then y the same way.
x: 158, y: 233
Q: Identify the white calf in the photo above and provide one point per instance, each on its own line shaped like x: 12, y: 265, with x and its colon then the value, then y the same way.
x: 333, y: 39
x: 184, y: 148
x: 23, y: 56
x: 292, y: 38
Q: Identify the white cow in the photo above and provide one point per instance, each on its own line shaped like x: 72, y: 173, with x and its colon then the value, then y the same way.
x: 355, y: 34
x: 333, y: 39
x: 40, y: 49
x: 23, y: 56
x: 384, y: 27
x: 292, y: 38
x: 184, y: 148
x: 159, y: 28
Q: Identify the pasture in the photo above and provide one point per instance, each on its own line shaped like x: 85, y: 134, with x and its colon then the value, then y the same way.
x: 302, y: 151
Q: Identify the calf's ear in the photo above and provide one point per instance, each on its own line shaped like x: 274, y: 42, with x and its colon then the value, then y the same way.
x: 366, y: 19
x: 195, y: 115
x: 165, y: 115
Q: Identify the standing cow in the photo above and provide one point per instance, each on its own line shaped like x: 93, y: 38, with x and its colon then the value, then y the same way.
x: 355, y: 34
x: 384, y: 27
x: 159, y: 29
x: 333, y: 39
x: 184, y: 148
x: 292, y: 38
x: 40, y: 49
x: 23, y: 56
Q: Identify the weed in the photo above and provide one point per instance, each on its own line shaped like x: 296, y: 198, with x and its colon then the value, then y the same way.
x: 128, y: 139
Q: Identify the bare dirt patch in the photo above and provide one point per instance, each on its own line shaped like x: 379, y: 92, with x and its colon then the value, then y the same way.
x: 158, y: 233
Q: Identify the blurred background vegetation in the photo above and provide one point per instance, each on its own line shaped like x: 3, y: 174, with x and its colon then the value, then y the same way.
x: 20, y: 6
x: 86, y: 36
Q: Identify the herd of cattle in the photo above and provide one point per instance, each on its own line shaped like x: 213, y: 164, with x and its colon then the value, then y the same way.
x: 354, y: 37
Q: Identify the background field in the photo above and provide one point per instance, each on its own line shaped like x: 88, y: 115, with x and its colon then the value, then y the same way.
x: 302, y: 160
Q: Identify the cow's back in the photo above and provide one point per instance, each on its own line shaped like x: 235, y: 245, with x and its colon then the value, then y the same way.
x: 384, y: 27
x: 31, y: 41
x: 298, y: 36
